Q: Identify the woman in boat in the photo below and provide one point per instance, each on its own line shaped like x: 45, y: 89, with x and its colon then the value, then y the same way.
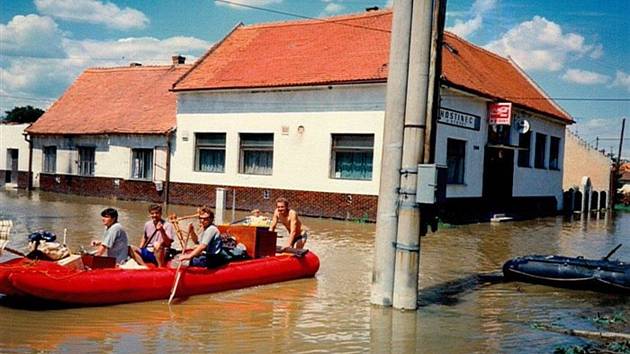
x: 115, y: 243
x: 210, y: 242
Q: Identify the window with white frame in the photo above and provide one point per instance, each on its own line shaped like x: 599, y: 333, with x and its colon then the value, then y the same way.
x: 541, y: 147
x: 352, y: 156
x: 210, y: 152
x: 554, y: 153
x: 524, y: 147
x: 455, y: 160
x: 50, y: 159
x: 142, y: 164
x: 256, y: 153
x: 86, y: 160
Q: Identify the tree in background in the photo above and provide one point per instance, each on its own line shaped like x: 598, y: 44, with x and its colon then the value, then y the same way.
x: 27, y: 114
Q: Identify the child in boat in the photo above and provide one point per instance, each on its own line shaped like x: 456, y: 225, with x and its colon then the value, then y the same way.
x: 115, y: 243
x: 157, y: 238
x: 257, y: 219
x: 210, y: 242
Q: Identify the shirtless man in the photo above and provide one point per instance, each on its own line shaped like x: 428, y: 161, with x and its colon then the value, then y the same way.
x: 289, y: 218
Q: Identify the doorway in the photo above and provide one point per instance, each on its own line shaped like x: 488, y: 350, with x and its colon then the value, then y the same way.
x: 12, y: 166
x: 498, y: 177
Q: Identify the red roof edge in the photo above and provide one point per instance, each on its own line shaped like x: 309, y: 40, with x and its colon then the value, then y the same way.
x: 567, y: 117
x: 203, y: 57
x: 446, y: 82
x: 283, y: 85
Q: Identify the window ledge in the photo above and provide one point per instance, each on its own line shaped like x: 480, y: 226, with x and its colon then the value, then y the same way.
x: 457, y: 184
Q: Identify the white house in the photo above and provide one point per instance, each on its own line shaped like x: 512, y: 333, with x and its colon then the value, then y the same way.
x: 109, y: 134
x: 296, y: 109
x: 13, y: 155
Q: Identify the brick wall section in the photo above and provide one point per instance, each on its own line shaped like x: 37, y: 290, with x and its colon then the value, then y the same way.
x: 100, y: 187
x: 581, y: 160
x: 318, y: 204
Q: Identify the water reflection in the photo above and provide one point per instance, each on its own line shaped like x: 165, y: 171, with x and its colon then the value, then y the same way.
x: 465, y: 306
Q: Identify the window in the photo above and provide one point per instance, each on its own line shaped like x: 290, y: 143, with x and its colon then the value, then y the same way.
x: 455, y: 159
x: 554, y: 153
x: 352, y: 156
x: 256, y: 156
x: 50, y: 159
x: 86, y: 161
x: 524, y: 144
x: 142, y: 163
x: 541, y: 146
x: 210, y: 152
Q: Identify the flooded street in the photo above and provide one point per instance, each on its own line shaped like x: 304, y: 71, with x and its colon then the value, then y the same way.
x: 464, y: 308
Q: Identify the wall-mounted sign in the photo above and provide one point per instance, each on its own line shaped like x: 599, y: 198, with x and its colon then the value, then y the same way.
x: 500, y: 113
x: 459, y: 119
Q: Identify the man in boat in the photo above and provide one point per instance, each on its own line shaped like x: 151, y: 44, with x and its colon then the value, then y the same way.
x: 210, y: 242
x: 115, y: 243
x: 157, y: 238
x: 289, y: 218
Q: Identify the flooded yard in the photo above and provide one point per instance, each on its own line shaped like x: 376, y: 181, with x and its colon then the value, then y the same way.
x: 465, y: 307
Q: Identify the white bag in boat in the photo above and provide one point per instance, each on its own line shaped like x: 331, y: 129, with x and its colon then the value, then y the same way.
x: 53, y: 250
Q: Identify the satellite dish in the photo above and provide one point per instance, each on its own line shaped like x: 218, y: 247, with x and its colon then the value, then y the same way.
x: 522, y: 126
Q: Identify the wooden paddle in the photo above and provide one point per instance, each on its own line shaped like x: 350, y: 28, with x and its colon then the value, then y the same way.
x: 180, y: 236
x: 16, y: 252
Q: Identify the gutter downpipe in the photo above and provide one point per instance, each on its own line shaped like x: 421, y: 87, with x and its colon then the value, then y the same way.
x: 387, y: 210
x: 29, y: 180
x: 167, y: 181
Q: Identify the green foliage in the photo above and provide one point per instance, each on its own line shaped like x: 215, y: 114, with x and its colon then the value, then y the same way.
x: 362, y: 220
x: 574, y: 349
x: 609, y: 320
x: 619, y: 347
x: 27, y: 114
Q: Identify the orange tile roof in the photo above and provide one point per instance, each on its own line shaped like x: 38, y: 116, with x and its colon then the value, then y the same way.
x: 124, y: 100
x: 346, y: 50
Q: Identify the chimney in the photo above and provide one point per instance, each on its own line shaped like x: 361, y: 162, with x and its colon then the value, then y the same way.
x: 134, y: 64
x: 178, y: 59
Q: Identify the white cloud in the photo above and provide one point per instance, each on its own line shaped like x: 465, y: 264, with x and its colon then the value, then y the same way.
x: 622, y: 80
x: 93, y: 11
x: 235, y: 3
x: 478, y: 10
x: 40, y: 61
x: 332, y: 8
x: 584, y: 77
x: 540, y: 44
x: 31, y: 35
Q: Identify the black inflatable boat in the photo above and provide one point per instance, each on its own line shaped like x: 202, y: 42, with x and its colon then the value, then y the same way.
x: 571, y: 272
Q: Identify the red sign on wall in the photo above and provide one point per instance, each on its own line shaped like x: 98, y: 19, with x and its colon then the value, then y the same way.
x: 500, y: 113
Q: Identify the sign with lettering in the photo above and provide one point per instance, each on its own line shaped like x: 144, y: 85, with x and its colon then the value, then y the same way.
x: 500, y: 113
x: 459, y: 119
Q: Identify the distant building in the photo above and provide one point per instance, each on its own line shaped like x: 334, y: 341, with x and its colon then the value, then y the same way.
x: 296, y: 109
x: 109, y: 134
x: 13, y: 155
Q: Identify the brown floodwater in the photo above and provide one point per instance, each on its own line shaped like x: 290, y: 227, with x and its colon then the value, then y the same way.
x: 465, y: 307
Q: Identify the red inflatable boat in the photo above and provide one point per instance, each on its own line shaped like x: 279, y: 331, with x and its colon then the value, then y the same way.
x: 115, y: 285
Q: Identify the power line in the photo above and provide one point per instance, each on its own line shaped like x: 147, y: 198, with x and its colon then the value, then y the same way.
x: 301, y: 16
x: 30, y: 98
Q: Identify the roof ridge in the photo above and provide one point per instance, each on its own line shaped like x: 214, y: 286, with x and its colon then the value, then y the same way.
x: 313, y: 21
x: 467, y: 42
x: 132, y: 68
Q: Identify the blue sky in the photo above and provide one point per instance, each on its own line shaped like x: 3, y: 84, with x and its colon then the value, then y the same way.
x: 577, y: 51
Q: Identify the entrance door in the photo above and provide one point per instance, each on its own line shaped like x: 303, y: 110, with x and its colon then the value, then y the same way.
x: 12, y: 162
x: 498, y: 174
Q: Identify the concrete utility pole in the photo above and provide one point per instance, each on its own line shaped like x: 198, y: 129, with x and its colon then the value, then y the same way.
x: 387, y: 214
x: 408, y: 241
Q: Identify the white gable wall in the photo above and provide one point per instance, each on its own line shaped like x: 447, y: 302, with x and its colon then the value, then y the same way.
x: 300, y: 161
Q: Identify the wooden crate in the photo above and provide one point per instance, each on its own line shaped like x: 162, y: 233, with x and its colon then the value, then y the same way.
x: 260, y: 242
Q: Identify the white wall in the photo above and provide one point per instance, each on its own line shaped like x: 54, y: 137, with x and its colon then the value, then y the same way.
x: 531, y: 181
x: 475, y: 143
x: 11, y: 138
x: 112, y: 156
x: 300, y: 162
